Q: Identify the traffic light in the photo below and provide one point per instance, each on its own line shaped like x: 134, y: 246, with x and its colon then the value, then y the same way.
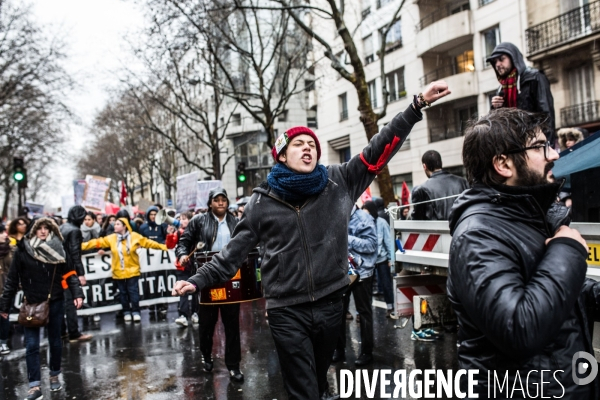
x: 241, y: 172
x: 19, y: 172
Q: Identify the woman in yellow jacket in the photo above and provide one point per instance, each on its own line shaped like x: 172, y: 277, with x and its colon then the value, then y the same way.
x: 125, y: 263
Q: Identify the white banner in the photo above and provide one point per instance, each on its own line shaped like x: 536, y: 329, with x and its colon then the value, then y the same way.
x: 204, y: 187
x: 95, y: 193
x: 187, y: 192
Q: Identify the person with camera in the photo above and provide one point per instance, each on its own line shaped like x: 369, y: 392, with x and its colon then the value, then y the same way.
x: 39, y: 267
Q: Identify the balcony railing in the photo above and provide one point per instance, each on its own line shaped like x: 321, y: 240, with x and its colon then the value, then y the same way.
x: 580, y: 114
x: 575, y: 24
x: 441, y: 13
x: 439, y: 133
x: 344, y: 115
x: 447, y: 70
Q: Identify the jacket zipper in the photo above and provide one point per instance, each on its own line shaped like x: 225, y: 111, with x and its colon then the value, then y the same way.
x: 304, y: 245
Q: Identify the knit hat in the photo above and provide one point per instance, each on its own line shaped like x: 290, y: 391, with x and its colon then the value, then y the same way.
x: 287, y: 136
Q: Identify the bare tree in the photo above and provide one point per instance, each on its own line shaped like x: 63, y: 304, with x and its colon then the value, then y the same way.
x: 32, y: 84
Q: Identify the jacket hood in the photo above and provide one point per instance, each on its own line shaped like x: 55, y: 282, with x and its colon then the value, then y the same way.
x: 513, y: 52
x: 76, y: 215
x: 148, y: 211
x: 521, y: 207
x: 564, y: 133
x: 379, y: 203
x: 36, y: 222
x: 127, y: 225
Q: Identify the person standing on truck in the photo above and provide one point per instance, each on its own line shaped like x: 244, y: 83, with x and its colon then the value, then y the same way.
x: 517, y: 272
x: 439, y: 185
x: 300, y: 218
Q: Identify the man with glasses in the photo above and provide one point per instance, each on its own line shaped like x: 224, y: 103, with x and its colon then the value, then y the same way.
x: 521, y: 87
x: 517, y: 271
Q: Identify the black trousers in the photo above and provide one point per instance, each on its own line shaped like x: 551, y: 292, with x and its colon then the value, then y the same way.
x: 363, y: 299
x: 305, y: 336
x: 230, y: 317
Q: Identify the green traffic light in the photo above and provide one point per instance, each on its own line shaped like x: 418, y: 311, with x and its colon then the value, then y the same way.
x: 242, y: 178
x: 18, y: 176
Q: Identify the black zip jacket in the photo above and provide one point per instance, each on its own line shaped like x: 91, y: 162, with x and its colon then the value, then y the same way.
x: 521, y: 305
x: 201, y: 228
x: 35, y: 278
x: 441, y: 184
x: 72, y: 240
x: 305, y: 248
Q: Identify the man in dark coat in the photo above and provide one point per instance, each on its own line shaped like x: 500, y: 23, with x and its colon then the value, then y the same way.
x: 152, y: 230
x: 214, y: 229
x: 521, y: 87
x: 73, y: 238
x: 440, y: 184
x: 517, y: 272
x: 300, y: 219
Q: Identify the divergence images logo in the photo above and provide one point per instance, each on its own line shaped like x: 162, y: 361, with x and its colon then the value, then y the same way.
x: 580, y: 367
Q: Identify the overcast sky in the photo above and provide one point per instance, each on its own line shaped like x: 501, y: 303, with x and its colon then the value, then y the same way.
x: 94, y: 31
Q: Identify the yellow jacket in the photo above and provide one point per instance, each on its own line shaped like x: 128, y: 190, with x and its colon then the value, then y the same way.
x: 131, y: 264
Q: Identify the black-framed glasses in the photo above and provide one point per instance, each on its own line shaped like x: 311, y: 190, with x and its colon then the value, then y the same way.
x: 546, y: 146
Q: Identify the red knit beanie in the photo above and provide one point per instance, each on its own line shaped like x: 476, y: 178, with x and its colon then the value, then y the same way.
x: 286, y: 137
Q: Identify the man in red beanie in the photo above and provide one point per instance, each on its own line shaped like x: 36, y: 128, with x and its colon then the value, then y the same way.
x: 300, y: 218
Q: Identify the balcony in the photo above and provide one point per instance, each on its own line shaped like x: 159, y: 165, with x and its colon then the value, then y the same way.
x: 441, y: 13
x: 580, y: 114
x: 573, y: 25
x: 444, y: 33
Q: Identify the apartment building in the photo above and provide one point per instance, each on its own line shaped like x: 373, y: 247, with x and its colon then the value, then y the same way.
x: 563, y: 39
x: 433, y: 40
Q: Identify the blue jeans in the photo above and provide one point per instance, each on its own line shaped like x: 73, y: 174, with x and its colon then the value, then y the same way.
x: 384, y: 277
x: 32, y: 344
x: 129, y: 294
x: 4, y: 330
x: 184, y: 302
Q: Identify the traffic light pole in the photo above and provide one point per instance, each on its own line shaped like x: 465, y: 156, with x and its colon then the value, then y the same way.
x: 20, y: 205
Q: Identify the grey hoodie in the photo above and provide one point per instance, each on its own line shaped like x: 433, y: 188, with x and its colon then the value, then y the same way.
x: 306, y: 248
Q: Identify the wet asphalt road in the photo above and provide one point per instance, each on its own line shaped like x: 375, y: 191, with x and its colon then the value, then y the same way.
x: 156, y: 359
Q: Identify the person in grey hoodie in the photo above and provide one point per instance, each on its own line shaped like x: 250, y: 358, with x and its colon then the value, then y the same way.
x: 521, y: 86
x: 300, y: 219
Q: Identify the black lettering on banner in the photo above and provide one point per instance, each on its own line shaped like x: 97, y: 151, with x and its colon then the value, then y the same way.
x: 107, y: 265
x: 89, y: 264
x: 165, y: 256
x: 148, y: 255
x: 596, y: 259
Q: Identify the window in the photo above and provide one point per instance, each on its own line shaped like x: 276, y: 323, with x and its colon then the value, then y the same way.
x: 394, y: 82
x: 464, y: 62
x: 381, y: 3
x: 368, y: 49
x: 393, y: 39
x: 484, y: 2
x: 236, y: 119
x: 463, y: 115
x: 397, y: 183
x: 343, y: 106
x: 490, y: 39
x: 283, y: 116
x: 345, y: 155
x: 311, y: 118
x: 581, y: 84
x: 458, y: 170
x: 373, y: 92
x: 309, y: 84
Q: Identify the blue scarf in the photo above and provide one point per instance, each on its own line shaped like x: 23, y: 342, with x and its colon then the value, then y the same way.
x: 292, y: 186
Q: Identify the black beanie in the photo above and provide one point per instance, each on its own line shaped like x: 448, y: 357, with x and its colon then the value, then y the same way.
x: 371, y: 208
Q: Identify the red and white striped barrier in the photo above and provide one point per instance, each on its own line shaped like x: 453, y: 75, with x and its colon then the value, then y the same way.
x: 423, y: 242
x: 405, y: 295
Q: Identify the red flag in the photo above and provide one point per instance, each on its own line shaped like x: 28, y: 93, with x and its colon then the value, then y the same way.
x: 405, y: 194
x: 123, y: 199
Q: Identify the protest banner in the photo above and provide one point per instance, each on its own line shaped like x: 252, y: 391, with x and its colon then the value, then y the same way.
x: 95, y: 193
x: 35, y: 209
x: 101, y: 294
x: 78, y: 189
x: 187, y: 192
x: 67, y: 202
x: 204, y: 187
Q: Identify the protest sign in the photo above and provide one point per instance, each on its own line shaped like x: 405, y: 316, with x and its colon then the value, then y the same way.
x: 187, y: 192
x: 204, y: 187
x: 95, y: 193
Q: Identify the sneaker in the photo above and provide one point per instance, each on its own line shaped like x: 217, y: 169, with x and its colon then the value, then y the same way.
x: 34, y: 394
x: 195, y: 318
x: 127, y: 317
x: 136, y: 317
x: 422, y: 336
x: 236, y: 375
x: 433, y: 332
x: 96, y: 317
x: 82, y: 338
x: 55, y: 385
x: 4, y: 349
x: 182, y: 320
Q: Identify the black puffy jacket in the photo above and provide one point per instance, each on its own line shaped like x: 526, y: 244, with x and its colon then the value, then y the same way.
x: 440, y: 184
x: 73, y: 238
x: 521, y: 305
